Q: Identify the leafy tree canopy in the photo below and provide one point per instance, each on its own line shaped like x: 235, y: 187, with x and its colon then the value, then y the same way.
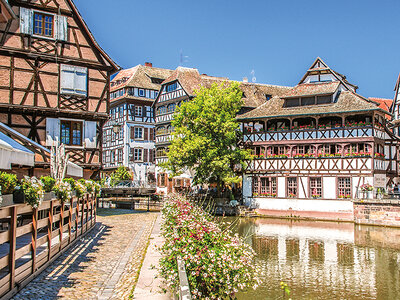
x: 206, y: 135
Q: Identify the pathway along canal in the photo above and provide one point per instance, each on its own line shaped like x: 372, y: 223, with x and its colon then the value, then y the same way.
x: 323, y: 260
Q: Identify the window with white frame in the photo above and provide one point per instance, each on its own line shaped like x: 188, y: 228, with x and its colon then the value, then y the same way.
x: 138, y: 154
x: 138, y: 133
x: 138, y: 110
x: 344, y: 187
x: 73, y: 80
x: 142, y: 93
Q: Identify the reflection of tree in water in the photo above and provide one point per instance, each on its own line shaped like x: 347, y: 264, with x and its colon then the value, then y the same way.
x: 387, y: 274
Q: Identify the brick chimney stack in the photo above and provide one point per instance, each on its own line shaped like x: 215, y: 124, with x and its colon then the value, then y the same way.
x: 148, y: 64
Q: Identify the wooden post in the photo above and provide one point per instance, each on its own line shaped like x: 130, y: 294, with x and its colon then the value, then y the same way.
x: 95, y: 209
x: 87, y: 211
x: 71, y: 203
x: 83, y: 213
x: 34, y: 238
x: 77, y: 218
x: 50, y: 228
x: 61, y: 223
x: 13, y: 242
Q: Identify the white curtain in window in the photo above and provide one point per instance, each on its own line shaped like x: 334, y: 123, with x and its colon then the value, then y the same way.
x: 90, y: 134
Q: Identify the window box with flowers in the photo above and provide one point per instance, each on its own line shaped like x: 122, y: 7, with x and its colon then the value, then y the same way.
x: 316, y: 196
x: 274, y: 156
x: 344, y: 196
x: 291, y: 195
x: 303, y: 127
x: 359, y: 154
x: 305, y: 155
x: 380, y: 155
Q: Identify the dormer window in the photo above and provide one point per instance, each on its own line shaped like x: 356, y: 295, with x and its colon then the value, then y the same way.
x: 172, y: 87
x: 310, y: 100
x: 43, y: 24
x: 268, y: 97
x: 156, y: 80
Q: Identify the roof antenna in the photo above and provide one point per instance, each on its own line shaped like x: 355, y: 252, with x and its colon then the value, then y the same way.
x: 183, y: 58
x: 253, y: 74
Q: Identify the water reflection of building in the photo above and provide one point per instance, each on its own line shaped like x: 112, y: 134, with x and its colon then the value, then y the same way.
x: 320, y: 254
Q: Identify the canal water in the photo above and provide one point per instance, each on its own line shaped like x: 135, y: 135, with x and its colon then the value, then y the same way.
x: 323, y: 260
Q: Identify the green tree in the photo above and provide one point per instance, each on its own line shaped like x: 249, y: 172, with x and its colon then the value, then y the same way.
x: 206, y: 136
x: 120, y: 174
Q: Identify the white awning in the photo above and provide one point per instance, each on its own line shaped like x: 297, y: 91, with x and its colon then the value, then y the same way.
x: 12, y: 152
x: 74, y: 170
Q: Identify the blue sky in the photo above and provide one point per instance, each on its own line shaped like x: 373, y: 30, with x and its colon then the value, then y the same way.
x: 279, y: 40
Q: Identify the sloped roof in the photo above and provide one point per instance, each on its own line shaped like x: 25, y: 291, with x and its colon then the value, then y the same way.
x: 254, y: 94
x: 312, y: 89
x: 347, y: 102
x: 385, y: 104
x: 140, y: 76
x: 113, y: 64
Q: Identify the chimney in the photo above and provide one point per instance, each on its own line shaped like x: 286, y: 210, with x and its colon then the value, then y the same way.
x: 148, y: 64
x: 245, y: 79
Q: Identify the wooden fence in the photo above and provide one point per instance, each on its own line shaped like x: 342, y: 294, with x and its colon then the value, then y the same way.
x: 31, y: 238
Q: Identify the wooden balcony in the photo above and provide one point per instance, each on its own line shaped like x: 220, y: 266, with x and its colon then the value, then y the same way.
x: 313, y: 134
x: 323, y: 165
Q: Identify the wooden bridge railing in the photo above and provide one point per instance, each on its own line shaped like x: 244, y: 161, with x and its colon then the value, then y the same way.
x: 31, y: 238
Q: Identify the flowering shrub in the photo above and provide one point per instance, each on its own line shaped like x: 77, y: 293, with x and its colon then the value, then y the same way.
x: 88, y: 184
x: 76, y: 186
x: 277, y: 156
x: 302, y: 127
x: 359, y: 154
x: 33, y: 189
x: 218, y: 264
x: 63, y: 191
x: 357, y: 124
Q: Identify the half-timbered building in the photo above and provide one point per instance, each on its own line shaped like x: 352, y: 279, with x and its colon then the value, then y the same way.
x: 319, y: 141
x: 180, y: 87
x: 129, y: 134
x: 54, y: 80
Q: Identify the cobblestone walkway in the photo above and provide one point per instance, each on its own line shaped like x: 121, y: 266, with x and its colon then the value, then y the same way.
x: 103, y: 265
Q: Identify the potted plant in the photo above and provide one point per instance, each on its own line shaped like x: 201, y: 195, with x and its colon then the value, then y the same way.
x: 63, y: 191
x: 33, y: 191
x: 367, y: 190
x: 8, y: 182
x: 48, y: 185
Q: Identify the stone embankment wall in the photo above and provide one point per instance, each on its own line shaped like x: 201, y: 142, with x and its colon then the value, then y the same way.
x: 377, y: 212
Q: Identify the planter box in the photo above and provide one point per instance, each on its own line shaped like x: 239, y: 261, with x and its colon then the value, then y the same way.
x: 7, y: 200
x: 19, y: 197
x: 49, y: 196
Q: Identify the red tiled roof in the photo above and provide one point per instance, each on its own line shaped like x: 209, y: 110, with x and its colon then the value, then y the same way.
x: 385, y: 104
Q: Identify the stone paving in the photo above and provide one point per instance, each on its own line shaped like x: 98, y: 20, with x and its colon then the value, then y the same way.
x: 103, y: 265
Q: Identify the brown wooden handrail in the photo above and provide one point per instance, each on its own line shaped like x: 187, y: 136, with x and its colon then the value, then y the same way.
x: 29, y: 244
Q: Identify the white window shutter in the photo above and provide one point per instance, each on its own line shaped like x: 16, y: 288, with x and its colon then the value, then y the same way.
x: 61, y: 30
x: 90, y: 134
x: 67, y: 79
x: 26, y: 20
x: 81, y: 81
x: 52, y: 132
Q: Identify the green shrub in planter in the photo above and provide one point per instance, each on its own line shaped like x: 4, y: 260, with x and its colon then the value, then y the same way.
x: 8, y: 182
x: 88, y: 184
x: 63, y: 191
x: 48, y: 183
x: 76, y: 186
x: 33, y: 191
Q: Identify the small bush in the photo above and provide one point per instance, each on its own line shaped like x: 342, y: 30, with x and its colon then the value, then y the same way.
x: 8, y: 182
x: 63, y: 191
x: 121, y: 174
x: 48, y: 183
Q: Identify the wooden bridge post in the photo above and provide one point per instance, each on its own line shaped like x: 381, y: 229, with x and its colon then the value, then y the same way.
x: 83, y: 213
x: 87, y: 211
x: 61, y: 223
x: 50, y: 228
x: 13, y: 243
x: 76, y: 218
x: 34, y: 237
x: 71, y: 204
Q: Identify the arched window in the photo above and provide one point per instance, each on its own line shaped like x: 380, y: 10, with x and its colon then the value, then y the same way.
x: 160, y: 130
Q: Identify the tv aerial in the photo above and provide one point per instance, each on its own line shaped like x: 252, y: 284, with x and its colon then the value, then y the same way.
x: 253, y: 76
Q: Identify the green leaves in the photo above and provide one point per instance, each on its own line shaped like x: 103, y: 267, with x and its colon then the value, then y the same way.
x: 206, y: 135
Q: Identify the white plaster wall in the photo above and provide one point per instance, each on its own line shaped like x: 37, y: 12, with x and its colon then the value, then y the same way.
x: 329, y: 187
x: 281, y: 185
x: 305, y: 205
